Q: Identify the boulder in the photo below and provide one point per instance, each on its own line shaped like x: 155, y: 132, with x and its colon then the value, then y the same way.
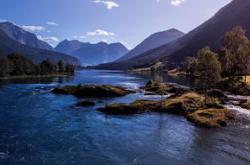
x: 93, y: 91
x: 210, y: 118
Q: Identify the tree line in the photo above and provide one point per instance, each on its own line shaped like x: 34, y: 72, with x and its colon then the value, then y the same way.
x: 17, y: 65
x: 227, y: 68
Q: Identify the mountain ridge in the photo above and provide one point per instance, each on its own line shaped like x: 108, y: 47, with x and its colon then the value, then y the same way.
x: 22, y: 36
x: 8, y: 46
x: 92, y: 54
x: 153, y: 41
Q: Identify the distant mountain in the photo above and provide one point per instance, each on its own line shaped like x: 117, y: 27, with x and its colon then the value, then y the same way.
x: 209, y: 33
x: 69, y: 47
x: 153, y: 41
x: 18, y: 34
x: 92, y: 54
x: 8, y: 45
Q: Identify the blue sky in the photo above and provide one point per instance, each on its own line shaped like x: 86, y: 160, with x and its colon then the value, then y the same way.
x: 126, y: 21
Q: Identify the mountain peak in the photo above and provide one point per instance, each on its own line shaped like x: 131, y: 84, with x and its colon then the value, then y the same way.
x: 173, y: 30
x: 153, y: 41
x: 26, y: 38
x: 92, y: 54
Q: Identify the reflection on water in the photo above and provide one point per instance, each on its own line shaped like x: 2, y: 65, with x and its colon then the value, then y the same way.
x: 36, y: 80
x: 38, y: 127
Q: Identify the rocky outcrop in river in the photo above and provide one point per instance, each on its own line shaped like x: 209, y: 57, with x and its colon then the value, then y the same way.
x: 93, y: 91
x: 205, y: 112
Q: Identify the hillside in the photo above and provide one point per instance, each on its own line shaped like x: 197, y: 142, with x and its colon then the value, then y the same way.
x: 153, y: 41
x: 18, y: 34
x: 208, y: 34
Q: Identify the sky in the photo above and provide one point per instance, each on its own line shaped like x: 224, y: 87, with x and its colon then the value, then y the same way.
x: 125, y: 21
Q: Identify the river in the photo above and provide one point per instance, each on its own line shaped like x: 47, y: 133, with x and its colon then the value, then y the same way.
x: 39, y: 127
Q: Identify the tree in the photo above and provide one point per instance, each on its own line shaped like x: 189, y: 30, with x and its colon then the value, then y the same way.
x: 60, y: 66
x: 47, y: 68
x: 21, y: 65
x: 208, y: 68
x: 4, y: 66
x: 189, y: 65
x: 235, y: 54
x: 70, y: 69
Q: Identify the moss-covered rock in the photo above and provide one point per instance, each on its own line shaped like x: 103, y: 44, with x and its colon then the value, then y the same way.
x: 214, y: 102
x: 184, y: 104
x: 210, y: 117
x: 180, y: 104
x: 136, y: 107
x: 85, y: 103
x: 162, y: 88
x: 190, y: 104
x: 93, y: 91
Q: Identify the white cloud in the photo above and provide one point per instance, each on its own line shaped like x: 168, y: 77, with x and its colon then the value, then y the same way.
x: 3, y: 20
x: 176, y: 2
x: 51, y: 23
x: 104, y: 40
x: 100, y: 32
x: 33, y: 28
x: 50, y: 40
x: 79, y: 37
x: 109, y: 4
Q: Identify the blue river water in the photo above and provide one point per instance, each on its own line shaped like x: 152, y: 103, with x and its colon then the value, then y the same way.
x: 39, y: 127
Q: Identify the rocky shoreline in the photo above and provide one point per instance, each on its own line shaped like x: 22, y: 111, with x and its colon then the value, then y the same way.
x: 202, y: 109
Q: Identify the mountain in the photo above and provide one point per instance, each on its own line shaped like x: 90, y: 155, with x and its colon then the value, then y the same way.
x: 8, y: 45
x: 209, y: 33
x: 69, y: 47
x: 18, y: 34
x: 153, y: 41
x: 92, y: 54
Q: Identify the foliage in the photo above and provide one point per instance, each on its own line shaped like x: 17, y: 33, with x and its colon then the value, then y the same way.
x: 230, y: 65
x: 60, y: 66
x: 189, y: 65
x: 70, y: 69
x: 208, y: 68
x: 47, y: 68
x: 4, y: 66
x: 18, y: 65
x: 235, y: 55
